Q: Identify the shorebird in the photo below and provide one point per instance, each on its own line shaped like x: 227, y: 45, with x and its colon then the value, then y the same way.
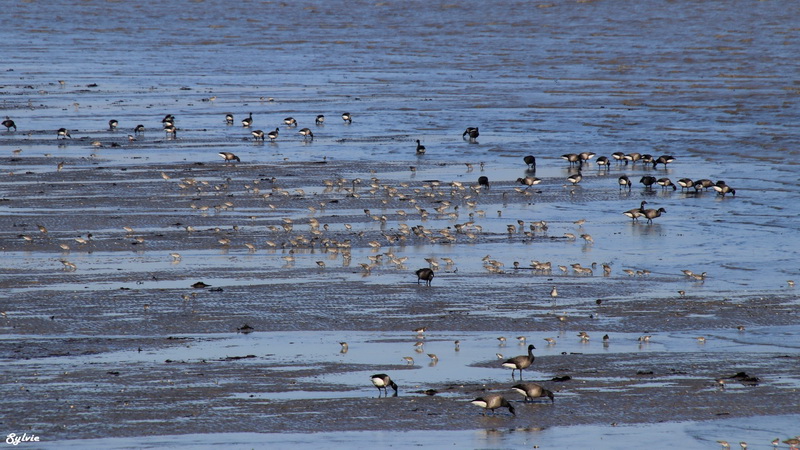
x: 550, y: 341
x: 554, y: 292
x: 347, y: 117
x: 420, y: 148
x: 520, y: 362
x: 381, y: 381
x: 9, y: 124
x: 472, y: 132
x: 247, y: 121
x: 228, y: 156
x: 425, y: 274
x: 533, y: 390
x: 344, y: 348
x: 63, y: 132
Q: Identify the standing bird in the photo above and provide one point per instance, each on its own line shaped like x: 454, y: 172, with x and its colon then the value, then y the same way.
x: 63, y: 132
x: 319, y: 120
x: 572, y: 158
x: 576, y: 178
x: 603, y: 161
x: 306, y: 133
x: 229, y: 119
x: 665, y: 183
x: 520, y: 362
x: 532, y: 391
x: 170, y: 129
x: 228, y: 156
x: 112, y: 124
x: 9, y: 124
x: 347, y: 117
x: 247, y: 121
x: 530, y: 160
x: 290, y: 121
x: 648, y: 181
x: 624, y: 181
x: 381, y: 381
x: 472, y: 132
x: 663, y: 159
x: 492, y: 402
x: 483, y: 181
x: 529, y: 181
x: 272, y: 135
x: 138, y: 129
x: 425, y: 274
x: 685, y: 183
x: 651, y: 214
x: 420, y: 148
x: 554, y: 292
x: 258, y: 134
x: 724, y: 189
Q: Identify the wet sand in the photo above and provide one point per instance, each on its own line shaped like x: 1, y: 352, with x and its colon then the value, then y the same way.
x: 107, y: 344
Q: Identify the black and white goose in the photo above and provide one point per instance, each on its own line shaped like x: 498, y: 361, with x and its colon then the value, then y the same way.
x: 492, y: 402
x: 420, y: 148
x: 426, y: 275
x: 258, y: 134
x: 651, y: 214
x: 272, y: 135
x: 471, y: 132
x: 382, y: 381
x: 247, y: 121
x: 347, y: 117
x: 520, y: 362
x: 532, y: 391
x: 530, y: 160
x: 112, y: 124
x: 63, y: 132
x: 306, y: 133
x: 228, y: 156
x: 624, y: 181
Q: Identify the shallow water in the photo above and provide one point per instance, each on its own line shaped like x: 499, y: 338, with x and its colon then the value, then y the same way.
x: 703, y: 81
